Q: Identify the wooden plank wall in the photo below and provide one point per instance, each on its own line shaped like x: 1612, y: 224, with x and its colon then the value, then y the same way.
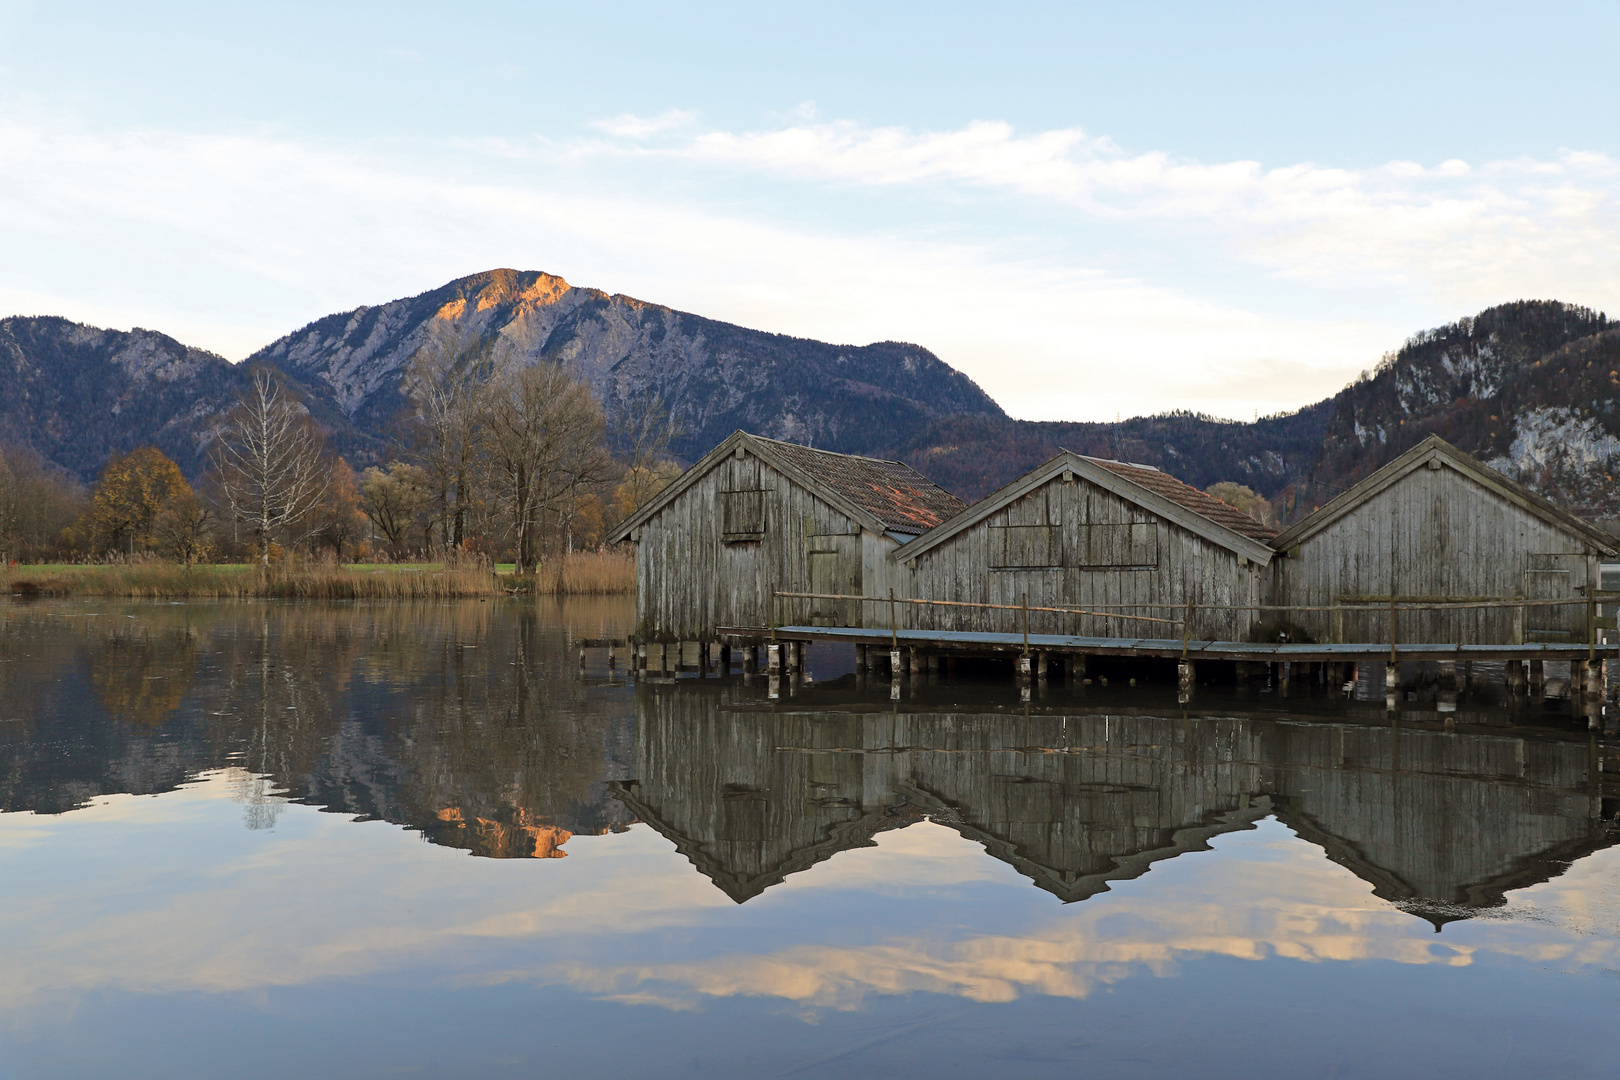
x: 689, y: 580
x: 1435, y: 532
x: 1184, y: 566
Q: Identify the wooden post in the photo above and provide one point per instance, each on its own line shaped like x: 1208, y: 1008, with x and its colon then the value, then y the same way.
x: 894, y: 629
x: 860, y: 657
x: 773, y: 614
x: 1186, y: 630
x: 1513, y: 670
x: 1040, y: 665
x: 774, y: 658
x: 914, y: 662
x: 1538, y: 680
x: 1392, y: 625
x: 1025, y: 602
x: 725, y: 659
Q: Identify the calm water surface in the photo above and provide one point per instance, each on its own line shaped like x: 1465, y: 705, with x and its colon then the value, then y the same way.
x: 262, y: 840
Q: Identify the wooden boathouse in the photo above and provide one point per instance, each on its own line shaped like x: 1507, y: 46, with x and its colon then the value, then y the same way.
x: 755, y: 516
x: 1438, y: 526
x: 1108, y: 537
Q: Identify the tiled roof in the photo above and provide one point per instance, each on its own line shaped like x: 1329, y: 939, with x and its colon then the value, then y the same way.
x: 1163, y: 484
x: 902, y: 498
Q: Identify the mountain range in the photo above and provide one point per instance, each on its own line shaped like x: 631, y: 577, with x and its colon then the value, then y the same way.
x: 1531, y: 386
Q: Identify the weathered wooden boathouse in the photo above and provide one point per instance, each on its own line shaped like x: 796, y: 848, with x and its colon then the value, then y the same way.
x: 1125, y: 544
x: 1438, y: 526
x: 756, y: 515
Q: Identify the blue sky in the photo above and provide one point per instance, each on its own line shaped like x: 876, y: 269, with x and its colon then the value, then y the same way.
x: 1093, y: 210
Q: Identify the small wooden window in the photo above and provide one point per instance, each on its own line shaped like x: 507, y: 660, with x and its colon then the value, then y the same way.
x: 1133, y: 545
x: 1020, y: 547
x: 744, y: 515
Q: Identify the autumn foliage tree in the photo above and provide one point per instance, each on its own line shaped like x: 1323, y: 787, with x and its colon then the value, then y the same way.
x: 135, y: 492
x: 393, y: 499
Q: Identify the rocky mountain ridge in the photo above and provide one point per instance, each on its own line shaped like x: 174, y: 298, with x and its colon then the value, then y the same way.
x: 1532, y: 387
x: 714, y: 377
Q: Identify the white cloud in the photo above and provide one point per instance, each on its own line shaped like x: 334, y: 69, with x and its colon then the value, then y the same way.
x: 1452, y: 230
x: 227, y: 241
x: 640, y: 127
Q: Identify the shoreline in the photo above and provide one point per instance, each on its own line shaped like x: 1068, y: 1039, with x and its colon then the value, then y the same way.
x: 577, y: 574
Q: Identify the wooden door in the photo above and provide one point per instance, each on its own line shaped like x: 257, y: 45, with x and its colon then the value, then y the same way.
x: 1555, y: 577
x: 835, y: 567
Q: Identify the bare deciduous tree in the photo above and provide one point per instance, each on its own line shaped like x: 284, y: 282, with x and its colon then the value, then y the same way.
x: 641, y: 435
x: 443, y: 381
x: 270, y: 463
x: 541, y: 433
x: 36, y: 504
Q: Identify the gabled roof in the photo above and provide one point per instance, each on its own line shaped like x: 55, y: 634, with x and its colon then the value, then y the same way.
x: 1434, y: 448
x: 884, y: 496
x: 1153, y: 490
x: 1162, y: 483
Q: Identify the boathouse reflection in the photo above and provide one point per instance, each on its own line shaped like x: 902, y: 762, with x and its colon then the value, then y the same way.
x: 1437, y: 821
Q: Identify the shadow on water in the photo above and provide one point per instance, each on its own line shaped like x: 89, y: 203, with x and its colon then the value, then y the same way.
x: 474, y: 724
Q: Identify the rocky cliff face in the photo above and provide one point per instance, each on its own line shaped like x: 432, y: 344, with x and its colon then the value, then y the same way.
x: 1531, y: 388
x: 77, y: 394
x: 713, y: 377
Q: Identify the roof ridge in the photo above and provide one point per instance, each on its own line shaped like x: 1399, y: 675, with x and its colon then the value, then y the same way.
x: 832, y: 453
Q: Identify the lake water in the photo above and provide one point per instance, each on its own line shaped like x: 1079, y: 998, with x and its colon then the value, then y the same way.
x: 277, y: 840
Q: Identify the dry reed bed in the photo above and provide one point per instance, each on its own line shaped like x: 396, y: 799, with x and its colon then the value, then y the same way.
x: 587, y: 573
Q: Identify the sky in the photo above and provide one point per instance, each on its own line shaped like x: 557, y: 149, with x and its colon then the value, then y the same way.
x: 1094, y: 210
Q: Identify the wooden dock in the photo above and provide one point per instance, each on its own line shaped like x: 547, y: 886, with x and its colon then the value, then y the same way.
x: 968, y: 643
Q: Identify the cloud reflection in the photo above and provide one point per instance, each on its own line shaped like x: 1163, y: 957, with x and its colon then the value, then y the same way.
x: 202, y: 905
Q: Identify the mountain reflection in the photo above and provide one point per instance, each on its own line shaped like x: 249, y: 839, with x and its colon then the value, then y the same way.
x: 471, y: 724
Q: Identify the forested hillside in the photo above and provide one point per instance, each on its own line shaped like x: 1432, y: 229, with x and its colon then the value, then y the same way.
x: 76, y: 394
